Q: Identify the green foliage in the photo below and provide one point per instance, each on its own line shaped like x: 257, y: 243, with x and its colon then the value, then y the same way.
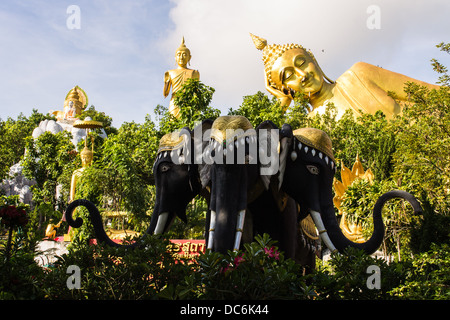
x: 13, y: 134
x: 45, y: 160
x: 117, y: 273
x: 193, y: 100
x: 444, y: 79
x: 345, y: 277
x: 422, y: 159
x: 426, y: 277
x: 431, y: 228
x: 258, y: 272
x: 99, y: 116
x: 258, y: 108
x: 20, y: 277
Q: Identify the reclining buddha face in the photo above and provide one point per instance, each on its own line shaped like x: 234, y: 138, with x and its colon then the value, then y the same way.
x: 296, y: 69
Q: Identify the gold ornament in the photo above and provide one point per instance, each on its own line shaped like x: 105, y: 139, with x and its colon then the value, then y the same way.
x: 316, y: 139
x: 237, y: 127
x: 170, y: 141
x: 350, y: 230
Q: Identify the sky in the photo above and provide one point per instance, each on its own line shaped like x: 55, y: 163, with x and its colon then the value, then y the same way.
x: 118, y: 51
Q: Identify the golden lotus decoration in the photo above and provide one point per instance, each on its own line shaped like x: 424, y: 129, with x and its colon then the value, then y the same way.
x: 350, y: 230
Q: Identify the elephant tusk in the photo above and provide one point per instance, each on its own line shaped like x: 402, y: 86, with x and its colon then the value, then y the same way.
x: 162, y: 219
x: 239, y: 230
x: 212, y: 226
x: 322, y: 231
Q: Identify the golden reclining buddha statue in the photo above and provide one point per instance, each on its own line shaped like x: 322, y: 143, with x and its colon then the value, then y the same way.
x: 290, y: 68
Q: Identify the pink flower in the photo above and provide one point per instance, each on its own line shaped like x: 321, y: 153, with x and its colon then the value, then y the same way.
x: 234, y: 265
x: 272, y: 253
x: 238, y: 260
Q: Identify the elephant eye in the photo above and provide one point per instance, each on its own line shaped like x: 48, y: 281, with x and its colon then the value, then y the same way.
x: 164, y: 167
x: 313, y: 169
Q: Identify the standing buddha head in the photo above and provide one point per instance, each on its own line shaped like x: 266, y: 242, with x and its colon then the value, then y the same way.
x: 86, y: 156
x: 182, y: 55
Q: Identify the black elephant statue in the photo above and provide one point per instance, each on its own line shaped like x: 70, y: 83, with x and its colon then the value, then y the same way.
x: 307, y: 168
x: 241, y: 163
x: 177, y: 182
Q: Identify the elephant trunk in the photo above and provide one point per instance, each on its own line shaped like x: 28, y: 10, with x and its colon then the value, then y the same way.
x: 97, y: 223
x: 228, y: 204
x: 333, y: 237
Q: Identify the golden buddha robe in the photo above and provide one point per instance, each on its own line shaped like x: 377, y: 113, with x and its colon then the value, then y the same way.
x: 365, y: 88
x: 175, y: 79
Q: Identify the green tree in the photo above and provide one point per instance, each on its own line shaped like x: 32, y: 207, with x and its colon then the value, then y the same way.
x: 444, y: 79
x: 99, y: 116
x: 47, y: 157
x: 13, y: 134
x: 258, y: 108
x: 423, y: 154
x: 193, y: 99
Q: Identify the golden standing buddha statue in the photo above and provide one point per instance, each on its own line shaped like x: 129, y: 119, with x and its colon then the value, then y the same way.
x: 86, y: 156
x: 177, y: 77
x: 290, y: 68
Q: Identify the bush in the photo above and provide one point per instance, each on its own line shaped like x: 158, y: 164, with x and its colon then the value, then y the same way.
x: 346, y: 276
x: 258, y: 272
x: 117, y: 273
x: 427, y: 275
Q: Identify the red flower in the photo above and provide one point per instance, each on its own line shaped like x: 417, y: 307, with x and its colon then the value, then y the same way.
x: 13, y: 217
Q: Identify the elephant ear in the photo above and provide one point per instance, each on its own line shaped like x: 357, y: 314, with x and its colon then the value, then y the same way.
x: 266, y: 125
x: 286, y: 137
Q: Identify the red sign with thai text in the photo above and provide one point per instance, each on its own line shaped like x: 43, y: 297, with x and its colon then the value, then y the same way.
x: 185, y: 248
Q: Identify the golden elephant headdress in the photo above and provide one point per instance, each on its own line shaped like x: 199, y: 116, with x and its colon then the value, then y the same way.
x: 170, y: 142
x: 315, y: 141
x: 236, y: 127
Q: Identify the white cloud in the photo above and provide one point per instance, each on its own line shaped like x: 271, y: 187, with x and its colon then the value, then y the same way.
x: 217, y: 33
